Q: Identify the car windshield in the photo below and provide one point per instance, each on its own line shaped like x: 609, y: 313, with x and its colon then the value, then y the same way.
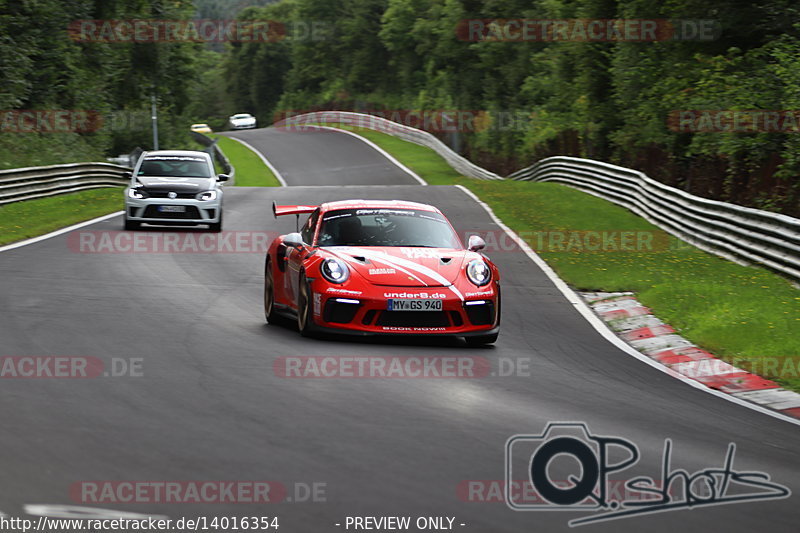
x: 386, y: 227
x: 241, y: 116
x: 175, y: 167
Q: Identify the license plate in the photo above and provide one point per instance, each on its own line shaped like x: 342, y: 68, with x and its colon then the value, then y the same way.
x: 172, y: 208
x: 416, y: 304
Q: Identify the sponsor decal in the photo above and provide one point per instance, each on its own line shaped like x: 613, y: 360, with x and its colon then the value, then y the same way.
x: 337, y: 290
x: 419, y: 253
x: 479, y: 293
x: 317, y: 298
x: 381, y: 271
x: 399, y: 328
x: 434, y: 295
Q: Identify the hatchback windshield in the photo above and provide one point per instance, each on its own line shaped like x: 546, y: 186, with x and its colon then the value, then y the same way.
x: 386, y: 227
x: 175, y: 167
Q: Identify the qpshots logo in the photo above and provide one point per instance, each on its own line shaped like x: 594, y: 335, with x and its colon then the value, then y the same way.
x: 588, y: 460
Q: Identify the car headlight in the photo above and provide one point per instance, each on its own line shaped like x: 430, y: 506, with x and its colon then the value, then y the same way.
x: 335, y: 270
x: 207, y: 196
x: 479, y: 272
x: 137, y: 194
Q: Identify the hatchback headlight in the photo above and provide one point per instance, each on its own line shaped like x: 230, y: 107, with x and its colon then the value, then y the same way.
x: 137, y: 194
x: 479, y: 272
x: 335, y: 270
x: 207, y: 196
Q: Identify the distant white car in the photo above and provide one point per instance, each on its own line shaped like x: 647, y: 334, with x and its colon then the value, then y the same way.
x: 201, y: 128
x: 242, y: 121
x: 174, y: 187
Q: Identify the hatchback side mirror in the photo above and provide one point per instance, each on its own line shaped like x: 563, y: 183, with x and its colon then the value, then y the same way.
x: 127, y: 175
x: 476, y: 244
x: 223, y: 177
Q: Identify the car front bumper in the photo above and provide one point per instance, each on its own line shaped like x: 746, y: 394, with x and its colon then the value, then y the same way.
x: 148, y: 210
x: 365, y: 312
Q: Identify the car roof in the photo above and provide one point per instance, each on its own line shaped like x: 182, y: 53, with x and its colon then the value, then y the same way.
x: 174, y: 153
x: 376, y: 204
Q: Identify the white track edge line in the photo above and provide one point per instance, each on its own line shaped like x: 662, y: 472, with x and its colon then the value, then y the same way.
x: 58, y: 232
x: 264, y: 159
x: 375, y: 147
x: 603, y: 329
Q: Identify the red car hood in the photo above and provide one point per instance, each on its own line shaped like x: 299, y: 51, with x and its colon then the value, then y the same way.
x: 404, y: 267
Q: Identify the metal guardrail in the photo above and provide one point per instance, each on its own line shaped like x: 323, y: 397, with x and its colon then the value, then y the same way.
x: 217, y: 153
x: 407, y: 133
x: 741, y: 234
x: 40, y: 182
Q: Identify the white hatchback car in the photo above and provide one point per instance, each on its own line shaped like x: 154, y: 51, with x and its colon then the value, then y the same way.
x: 242, y: 121
x: 174, y: 188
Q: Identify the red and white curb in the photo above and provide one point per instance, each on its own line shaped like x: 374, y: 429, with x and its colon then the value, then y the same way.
x: 635, y: 324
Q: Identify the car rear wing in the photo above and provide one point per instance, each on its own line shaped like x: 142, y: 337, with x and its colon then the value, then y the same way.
x: 280, y: 210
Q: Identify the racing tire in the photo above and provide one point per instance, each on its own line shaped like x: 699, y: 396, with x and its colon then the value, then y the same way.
x: 305, y: 322
x: 216, y: 227
x: 270, y: 315
x: 130, y: 225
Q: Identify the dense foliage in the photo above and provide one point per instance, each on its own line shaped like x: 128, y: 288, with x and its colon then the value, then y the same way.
x: 43, y: 68
x: 604, y: 100
x: 529, y: 99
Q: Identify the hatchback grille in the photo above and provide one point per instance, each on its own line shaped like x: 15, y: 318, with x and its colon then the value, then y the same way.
x: 152, y: 212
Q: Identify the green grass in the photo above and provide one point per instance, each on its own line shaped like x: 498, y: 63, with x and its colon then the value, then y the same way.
x: 22, y: 220
x: 250, y: 169
x: 746, y: 315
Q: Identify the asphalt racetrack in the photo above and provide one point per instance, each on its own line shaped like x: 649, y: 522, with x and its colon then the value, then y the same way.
x: 207, y: 404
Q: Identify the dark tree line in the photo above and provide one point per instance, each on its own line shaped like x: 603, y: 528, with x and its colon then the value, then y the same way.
x: 43, y: 68
x: 604, y: 100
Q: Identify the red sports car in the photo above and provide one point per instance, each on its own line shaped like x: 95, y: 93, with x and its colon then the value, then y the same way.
x: 370, y: 267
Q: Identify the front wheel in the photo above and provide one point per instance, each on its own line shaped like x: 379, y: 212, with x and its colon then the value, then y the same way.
x: 216, y: 227
x: 131, y: 225
x: 304, y: 319
x: 269, y: 294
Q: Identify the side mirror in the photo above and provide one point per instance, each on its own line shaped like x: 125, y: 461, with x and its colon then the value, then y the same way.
x: 476, y: 244
x: 294, y: 240
x: 223, y: 177
x: 127, y: 175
